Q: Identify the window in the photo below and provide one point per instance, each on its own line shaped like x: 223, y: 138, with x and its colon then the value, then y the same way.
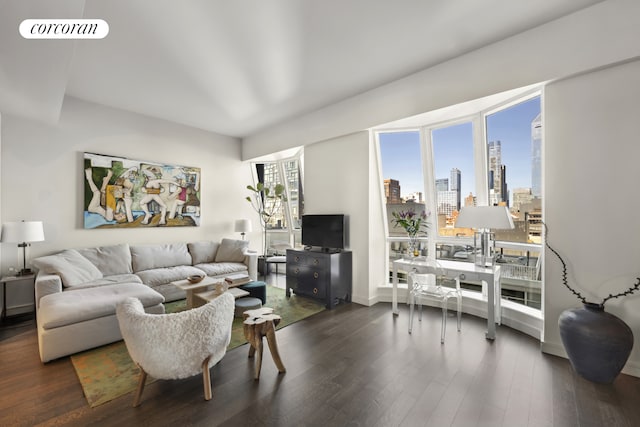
x: 400, y: 152
x: 454, y: 174
x: 514, y: 139
x: 285, y: 224
x: 271, y: 179
x: 514, y: 144
x: 489, y: 157
x: 294, y: 191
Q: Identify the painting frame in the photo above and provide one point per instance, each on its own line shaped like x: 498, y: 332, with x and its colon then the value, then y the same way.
x: 124, y: 193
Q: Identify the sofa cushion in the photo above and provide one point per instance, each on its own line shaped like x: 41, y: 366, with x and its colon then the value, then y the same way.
x: 231, y: 250
x: 79, y: 305
x: 110, y: 260
x: 147, y: 257
x: 73, y: 268
x: 202, y: 252
x: 110, y: 280
x: 161, y: 276
x: 220, y: 268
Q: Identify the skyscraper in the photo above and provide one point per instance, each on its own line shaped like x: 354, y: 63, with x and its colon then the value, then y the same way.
x: 456, y: 181
x: 446, y: 202
x: 504, y: 191
x: 442, y: 184
x: 392, y: 191
x: 495, y: 168
x: 536, y: 156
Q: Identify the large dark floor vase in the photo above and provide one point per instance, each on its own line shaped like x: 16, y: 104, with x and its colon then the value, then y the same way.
x: 598, y: 343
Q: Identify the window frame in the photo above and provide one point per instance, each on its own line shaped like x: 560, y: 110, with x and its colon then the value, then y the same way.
x: 481, y: 167
x: 291, y: 230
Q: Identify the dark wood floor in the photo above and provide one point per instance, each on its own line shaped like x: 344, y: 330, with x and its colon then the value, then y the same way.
x: 353, y: 365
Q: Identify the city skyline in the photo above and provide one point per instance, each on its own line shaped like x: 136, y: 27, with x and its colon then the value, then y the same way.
x: 453, y: 149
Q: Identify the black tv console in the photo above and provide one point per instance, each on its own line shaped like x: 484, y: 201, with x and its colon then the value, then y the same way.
x: 326, y: 276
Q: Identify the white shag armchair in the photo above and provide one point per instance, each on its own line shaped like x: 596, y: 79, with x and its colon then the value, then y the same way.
x: 176, y: 345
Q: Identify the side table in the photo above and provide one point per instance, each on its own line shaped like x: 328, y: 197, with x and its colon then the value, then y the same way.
x: 257, y: 324
x: 28, y: 278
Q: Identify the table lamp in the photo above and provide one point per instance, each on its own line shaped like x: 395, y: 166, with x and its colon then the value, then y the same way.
x: 243, y: 226
x: 484, y: 219
x: 23, y: 233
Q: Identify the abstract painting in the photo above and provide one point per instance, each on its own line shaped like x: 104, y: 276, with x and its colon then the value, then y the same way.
x: 125, y: 193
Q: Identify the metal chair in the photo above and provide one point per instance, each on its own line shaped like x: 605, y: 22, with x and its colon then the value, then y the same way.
x: 279, y: 250
x: 428, y: 285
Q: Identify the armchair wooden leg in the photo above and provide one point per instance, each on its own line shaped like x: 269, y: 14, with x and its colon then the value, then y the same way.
x: 206, y: 378
x: 141, y: 382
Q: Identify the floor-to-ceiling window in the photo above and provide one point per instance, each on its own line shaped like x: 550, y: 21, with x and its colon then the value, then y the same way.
x: 400, y: 153
x: 514, y: 141
x: 488, y: 157
x: 284, y: 226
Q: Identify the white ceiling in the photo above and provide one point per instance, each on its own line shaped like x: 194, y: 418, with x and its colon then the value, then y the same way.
x: 236, y: 67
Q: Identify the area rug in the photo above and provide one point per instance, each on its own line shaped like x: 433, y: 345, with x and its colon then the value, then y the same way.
x: 108, y: 372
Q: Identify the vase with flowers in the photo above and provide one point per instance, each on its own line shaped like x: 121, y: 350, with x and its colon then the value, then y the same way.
x: 414, y: 224
x: 598, y: 343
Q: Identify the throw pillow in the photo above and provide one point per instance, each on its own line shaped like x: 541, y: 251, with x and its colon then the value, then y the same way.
x: 73, y: 268
x: 203, y: 252
x: 147, y: 257
x: 231, y: 250
x: 110, y: 260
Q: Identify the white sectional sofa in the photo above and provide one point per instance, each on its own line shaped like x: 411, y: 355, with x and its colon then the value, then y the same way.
x: 77, y: 290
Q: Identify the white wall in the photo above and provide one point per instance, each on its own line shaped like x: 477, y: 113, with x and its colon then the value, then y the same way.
x: 334, y: 183
x: 591, y: 177
x: 42, y: 176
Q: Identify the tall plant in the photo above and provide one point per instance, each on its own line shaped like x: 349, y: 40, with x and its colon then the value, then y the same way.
x: 266, y: 202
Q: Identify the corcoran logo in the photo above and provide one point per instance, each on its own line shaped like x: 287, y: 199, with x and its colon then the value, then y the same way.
x: 64, y: 29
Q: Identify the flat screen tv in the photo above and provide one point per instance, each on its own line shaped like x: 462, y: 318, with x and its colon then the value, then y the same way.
x: 323, y: 231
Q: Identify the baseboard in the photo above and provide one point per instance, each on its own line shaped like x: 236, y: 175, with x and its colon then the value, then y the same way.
x: 553, y: 349
x: 631, y: 368
x: 557, y: 349
x: 524, y: 327
x: 364, y: 301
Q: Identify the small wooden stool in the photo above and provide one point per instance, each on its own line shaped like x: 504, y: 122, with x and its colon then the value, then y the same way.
x: 262, y: 323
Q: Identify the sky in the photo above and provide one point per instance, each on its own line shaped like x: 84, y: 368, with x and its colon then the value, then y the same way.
x: 453, y: 148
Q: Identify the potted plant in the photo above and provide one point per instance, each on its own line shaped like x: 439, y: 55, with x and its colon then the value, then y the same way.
x: 598, y: 343
x: 413, y: 224
x: 266, y: 202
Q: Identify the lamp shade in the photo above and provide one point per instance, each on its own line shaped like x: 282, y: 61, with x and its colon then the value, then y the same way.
x: 22, y: 232
x: 492, y: 217
x: 243, y: 226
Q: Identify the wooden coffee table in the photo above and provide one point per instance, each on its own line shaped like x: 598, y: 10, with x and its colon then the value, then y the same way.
x: 198, y: 294
x: 202, y: 298
x: 192, y: 288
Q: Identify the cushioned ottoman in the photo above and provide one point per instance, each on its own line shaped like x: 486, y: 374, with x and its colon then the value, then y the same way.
x: 246, y: 303
x: 256, y: 289
x: 77, y: 320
